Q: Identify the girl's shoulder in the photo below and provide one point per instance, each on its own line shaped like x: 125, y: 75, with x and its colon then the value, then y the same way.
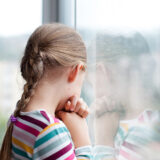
x: 38, y: 120
x: 40, y: 115
x: 36, y: 132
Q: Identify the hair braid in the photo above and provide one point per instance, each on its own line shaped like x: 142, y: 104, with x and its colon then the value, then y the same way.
x: 32, y: 68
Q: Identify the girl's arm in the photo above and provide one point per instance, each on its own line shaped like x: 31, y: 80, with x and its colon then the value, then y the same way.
x: 77, y: 127
x: 55, y: 142
x: 79, y: 130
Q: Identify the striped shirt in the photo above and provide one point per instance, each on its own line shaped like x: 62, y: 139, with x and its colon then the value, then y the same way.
x: 37, y: 135
x: 136, y: 139
x: 136, y: 136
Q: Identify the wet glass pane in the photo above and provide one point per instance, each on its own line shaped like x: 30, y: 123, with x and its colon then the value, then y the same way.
x: 122, y: 86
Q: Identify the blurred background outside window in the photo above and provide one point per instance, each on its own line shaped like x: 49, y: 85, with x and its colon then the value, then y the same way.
x: 18, y: 20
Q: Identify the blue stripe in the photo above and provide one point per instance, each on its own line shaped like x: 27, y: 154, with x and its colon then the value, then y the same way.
x: 55, y: 144
x: 20, y: 152
x: 50, y: 135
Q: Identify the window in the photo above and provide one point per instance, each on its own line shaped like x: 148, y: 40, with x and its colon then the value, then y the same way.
x: 123, y: 46
x: 18, y: 20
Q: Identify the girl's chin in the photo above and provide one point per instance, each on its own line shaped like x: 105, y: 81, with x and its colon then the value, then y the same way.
x: 61, y: 105
x: 59, y: 108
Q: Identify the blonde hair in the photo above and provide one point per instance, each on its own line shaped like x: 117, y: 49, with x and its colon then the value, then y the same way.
x: 49, y: 45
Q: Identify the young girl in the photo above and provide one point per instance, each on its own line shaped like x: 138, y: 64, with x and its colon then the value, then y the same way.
x: 53, y: 67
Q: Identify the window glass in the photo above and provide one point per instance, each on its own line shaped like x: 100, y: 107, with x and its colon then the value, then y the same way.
x: 123, y: 80
x: 18, y: 20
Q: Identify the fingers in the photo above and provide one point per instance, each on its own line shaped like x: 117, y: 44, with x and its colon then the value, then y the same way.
x: 85, y: 113
x: 82, y: 108
x: 71, y: 103
x: 77, y: 105
x: 68, y: 106
x: 60, y: 114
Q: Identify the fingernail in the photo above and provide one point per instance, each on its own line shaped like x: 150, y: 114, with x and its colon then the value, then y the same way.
x: 72, y: 109
x: 68, y: 103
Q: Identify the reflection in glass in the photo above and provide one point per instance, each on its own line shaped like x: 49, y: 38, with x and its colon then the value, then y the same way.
x: 122, y: 40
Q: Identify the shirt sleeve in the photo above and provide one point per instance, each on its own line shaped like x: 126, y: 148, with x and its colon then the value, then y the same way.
x: 84, y: 153
x: 54, y: 142
x: 102, y: 152
x: 133, y: 146
x: 140, y: 142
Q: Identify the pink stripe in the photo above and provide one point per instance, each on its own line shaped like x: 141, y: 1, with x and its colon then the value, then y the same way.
x: 60, y: 153
x: 130, y: 146
x: 27, y: 128
x: 141, y: 118
x: 71, y: 157
x: 44, y: 114
x: 21, y: 135
x: 149, y: 114
x: 127, y: 155
x: 56, y: 120
x: 124, y: 154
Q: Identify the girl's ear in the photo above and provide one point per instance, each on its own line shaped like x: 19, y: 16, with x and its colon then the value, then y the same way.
x: 73, y: 73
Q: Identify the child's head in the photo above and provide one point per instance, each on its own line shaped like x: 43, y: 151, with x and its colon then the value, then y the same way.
x: 53, y: 52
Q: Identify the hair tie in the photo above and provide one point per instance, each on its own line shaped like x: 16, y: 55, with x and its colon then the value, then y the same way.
x: 13, y: 119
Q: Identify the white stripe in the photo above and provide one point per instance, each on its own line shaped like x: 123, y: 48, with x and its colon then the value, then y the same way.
x: 21, y: 149
x: 131, y: 141
x: 18, y: 156
x: 53, y: 151
x: 30, y: 124
x: 56, y: 126
x: 24, y: 141
x: 121, y: 158
x: 131, y: 152
x: 50, y: 118
x: 36, y: 115
x: 146, y: 116
x: 25, y: 132
x: 66, y: 155
x: 44, y: 145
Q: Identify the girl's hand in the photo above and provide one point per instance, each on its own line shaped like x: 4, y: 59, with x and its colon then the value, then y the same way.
x: 78, y: 106
x: 77, y: 127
